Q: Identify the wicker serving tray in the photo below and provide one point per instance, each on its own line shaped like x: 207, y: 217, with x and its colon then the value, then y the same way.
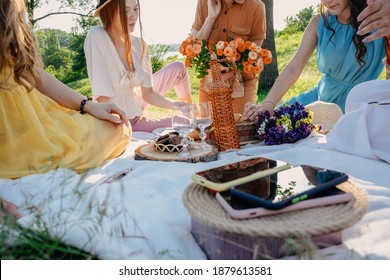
x: 269, y: 237
x: 203, y: 207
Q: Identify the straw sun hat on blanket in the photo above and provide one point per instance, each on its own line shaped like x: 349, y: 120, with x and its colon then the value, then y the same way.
x: 325, y: 114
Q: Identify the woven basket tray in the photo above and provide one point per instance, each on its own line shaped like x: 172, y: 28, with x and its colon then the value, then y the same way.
x: 269, y: 237
x: 203, y: 207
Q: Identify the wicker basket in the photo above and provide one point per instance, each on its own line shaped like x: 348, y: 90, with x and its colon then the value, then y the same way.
x: 246, y: 133
x: 220, y: 94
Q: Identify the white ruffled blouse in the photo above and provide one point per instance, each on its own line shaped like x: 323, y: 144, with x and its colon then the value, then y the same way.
x: 108, y: 75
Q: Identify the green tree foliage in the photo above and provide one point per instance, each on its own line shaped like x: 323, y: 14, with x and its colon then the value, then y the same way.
x: 63, y: 53
x: 80, y: 8
x: 299, y: 22
x: 79, y: 63
x: 56, y: 55
x: 158, y: 56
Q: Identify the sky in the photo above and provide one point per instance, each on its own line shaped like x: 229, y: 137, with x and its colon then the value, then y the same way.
x: 170, y: 21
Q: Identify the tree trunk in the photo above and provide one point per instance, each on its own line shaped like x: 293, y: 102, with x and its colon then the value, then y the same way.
x: 31, y: 5
x: 268, y: 76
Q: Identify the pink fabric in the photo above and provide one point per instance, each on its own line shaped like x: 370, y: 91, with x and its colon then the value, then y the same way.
x: 148, y: 125
x: 174, y: 75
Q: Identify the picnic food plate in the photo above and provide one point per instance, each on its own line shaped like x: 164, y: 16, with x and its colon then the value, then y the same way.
x: 168, y: 143
x: 149, y: 152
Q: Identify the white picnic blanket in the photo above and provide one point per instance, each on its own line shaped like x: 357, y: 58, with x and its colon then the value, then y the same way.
x: 142, y: 215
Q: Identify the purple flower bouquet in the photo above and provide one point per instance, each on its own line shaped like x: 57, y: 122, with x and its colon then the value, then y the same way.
x: 288, y: 124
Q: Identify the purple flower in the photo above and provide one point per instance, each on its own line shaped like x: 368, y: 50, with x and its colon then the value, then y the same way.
x: 288, y: 124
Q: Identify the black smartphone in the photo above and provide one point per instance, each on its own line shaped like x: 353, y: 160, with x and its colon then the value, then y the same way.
x: 303, y: 183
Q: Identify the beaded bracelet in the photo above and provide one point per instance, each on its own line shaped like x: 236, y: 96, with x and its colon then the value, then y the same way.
x: 82, y: 104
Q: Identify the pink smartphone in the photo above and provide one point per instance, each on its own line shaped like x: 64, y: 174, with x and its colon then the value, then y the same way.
x: 283, y: 185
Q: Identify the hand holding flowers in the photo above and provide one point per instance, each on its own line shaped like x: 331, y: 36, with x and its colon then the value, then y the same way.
x: 248, y: 57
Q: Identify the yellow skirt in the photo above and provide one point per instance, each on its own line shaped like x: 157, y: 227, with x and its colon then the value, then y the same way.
x: 37, y: 135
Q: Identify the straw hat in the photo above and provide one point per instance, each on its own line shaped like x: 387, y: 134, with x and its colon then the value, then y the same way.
x: 100, y: 6
x: 324, y: 113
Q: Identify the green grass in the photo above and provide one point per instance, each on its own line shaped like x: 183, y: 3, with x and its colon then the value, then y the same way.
x: 18, y: 243
x: 287, y: 45
x: 82, y: 86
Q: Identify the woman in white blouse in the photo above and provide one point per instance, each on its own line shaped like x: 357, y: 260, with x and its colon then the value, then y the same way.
x: 119, y: 66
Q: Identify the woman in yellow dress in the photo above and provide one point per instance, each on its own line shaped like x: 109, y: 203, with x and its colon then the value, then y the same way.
x: 44, y: 124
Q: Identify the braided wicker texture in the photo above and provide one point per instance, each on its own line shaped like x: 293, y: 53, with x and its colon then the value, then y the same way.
x: 204, y: 208
x: 246, y: 133
x: 220, y: 95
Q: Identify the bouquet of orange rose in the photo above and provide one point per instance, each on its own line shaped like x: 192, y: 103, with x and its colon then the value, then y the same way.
x: 248, y: 57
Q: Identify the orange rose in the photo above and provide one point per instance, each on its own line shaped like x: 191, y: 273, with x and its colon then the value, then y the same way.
x: 191, y: 39
x: 219, y: 52
x: 248, y: 44
x: 253, y: 47
x: 248, y: 68
x: 189, y: 51
x: 268, y: 60
x: 240, y: 44
x: 258, y: 69
x: 182, y: 50
x: 264, y: 52
x: 196, y: 49
x: 187, y: 62
x: 234, y: 44
x: 228, y: 51
x: 251, y: 61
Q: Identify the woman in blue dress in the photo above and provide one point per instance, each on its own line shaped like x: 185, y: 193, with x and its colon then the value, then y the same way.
x: 342, y: 57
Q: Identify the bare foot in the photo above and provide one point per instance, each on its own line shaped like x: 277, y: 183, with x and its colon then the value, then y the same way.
x: 8, y: 208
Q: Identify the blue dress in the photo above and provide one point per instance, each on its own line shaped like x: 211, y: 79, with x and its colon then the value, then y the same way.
x: 336, y: 61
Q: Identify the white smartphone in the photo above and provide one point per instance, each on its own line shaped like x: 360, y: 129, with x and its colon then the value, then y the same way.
x: 284, y: 185
x: 244, y: 174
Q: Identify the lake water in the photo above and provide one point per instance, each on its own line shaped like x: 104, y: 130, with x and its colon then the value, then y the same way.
x: 173, y: 54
